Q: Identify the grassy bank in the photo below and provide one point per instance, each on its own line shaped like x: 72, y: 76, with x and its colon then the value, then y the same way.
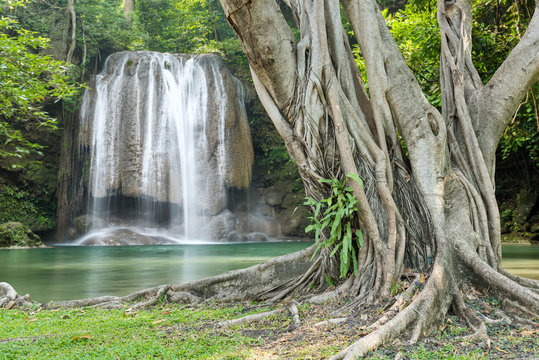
x: 192, y: 332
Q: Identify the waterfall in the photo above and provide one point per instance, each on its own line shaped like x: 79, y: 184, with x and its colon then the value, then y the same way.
x: 159, y: 130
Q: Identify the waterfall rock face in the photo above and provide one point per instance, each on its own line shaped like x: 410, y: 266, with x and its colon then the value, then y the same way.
x: 166, y: 136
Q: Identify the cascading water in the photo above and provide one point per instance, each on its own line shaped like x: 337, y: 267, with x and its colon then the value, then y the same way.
x: 162, y: 133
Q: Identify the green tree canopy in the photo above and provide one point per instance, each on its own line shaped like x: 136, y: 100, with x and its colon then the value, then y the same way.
x: 497, y: 28
x: 28, y: 80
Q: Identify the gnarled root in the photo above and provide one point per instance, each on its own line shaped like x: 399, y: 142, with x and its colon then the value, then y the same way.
x: 501, y: 283
x: 417, y: 317
x: 261, y: 282
x: 473, y: 321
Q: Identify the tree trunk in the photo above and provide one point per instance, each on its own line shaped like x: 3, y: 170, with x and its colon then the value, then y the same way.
x: 71, y: 12
x: 129, y: 7
x: 438, y: 201
x: 214, y: 26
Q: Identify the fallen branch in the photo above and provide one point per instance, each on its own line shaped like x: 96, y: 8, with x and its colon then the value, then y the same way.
x: 249, y: 318
x: 293, y: 308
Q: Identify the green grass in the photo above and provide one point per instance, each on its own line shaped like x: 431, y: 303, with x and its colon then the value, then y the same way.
x: 175, y: 332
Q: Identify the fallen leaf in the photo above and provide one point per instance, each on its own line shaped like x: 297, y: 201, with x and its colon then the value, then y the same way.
x: 10, y: 305
x: 166, y: 313
x: 82, y: 337
x: 529, y: 332
x: 500, y: 350
x: 422, y: 278
x: 32, y: 320
x: 158, y: 321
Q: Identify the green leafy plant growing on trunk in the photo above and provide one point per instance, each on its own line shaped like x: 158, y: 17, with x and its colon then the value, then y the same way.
x: 337, y: 214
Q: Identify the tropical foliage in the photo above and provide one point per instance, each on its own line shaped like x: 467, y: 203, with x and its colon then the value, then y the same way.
x: 335, y: 224
x: 28, y: 80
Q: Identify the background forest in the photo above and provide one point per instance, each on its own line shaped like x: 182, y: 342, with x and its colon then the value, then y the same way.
x: 50, y: 49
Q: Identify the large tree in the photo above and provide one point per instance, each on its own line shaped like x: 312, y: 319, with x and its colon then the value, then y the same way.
x: 420, y: 204
x: 428, y: 201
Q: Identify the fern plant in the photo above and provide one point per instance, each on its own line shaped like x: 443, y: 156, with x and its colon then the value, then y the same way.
x: 336, y: 214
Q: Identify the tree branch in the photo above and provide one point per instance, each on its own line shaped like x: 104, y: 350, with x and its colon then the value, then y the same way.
x: 492, y: 106
x: 268, y: 43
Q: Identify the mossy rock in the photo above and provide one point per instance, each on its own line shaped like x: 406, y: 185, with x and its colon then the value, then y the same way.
x: 17, y: 234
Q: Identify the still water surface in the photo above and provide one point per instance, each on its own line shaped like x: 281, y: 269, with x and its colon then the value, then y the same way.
x: 69, y: 272
x: 76, y: 272
x: 521, y: 260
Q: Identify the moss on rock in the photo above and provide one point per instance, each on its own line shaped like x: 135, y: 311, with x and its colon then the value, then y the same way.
x: 19, y: 235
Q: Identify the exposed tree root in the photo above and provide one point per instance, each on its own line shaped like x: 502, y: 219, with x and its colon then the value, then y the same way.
x: 514, y: 307
x: 496, y: 280
x: 335, y: 321
x: 249, y: 318
x: 473, y: 321
x: 257, y: 282
x: 532, y: 284
x: 341, y: 290
x: 401, y: 301
x: 291, y: 305
x: 415, y: 318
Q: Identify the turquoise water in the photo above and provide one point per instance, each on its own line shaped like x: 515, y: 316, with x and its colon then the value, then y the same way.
x: 75, y: 272
x: 521, y: 259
